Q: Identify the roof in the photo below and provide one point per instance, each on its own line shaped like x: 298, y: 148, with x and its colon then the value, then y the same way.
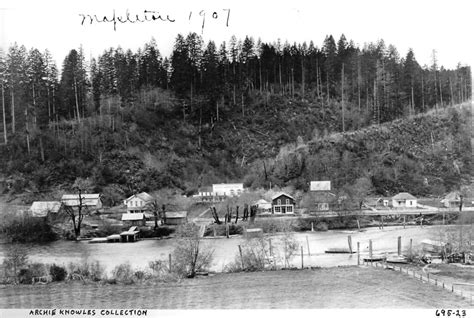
x: 87, y: 199
x: 262, y: 201
x: 176, y: 215
x: 42, y: 208
x: 452, y: 196
x: 280, y: 194
x: 143, y: 196
x: 132, y: 216
x: 404, y: 196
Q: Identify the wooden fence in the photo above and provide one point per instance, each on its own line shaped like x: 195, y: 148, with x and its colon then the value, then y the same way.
x: 465, y: 290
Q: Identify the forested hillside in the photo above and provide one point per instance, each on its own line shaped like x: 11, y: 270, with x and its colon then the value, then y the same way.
x: 133, y: 121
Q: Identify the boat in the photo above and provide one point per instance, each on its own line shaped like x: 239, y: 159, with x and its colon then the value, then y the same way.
x: 338, y: 250
x: 397, y: 259
x: 98, y: 240
x: 374, y: 258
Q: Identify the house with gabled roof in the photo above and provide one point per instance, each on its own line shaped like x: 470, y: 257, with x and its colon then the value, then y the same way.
x: 138, y: 203
x: 92, y: 201
x: 283, y: 203
x: 404, y: 200
x: 44, y: 208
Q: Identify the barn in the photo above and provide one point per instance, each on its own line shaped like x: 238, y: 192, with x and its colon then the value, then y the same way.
x: 176, y: 218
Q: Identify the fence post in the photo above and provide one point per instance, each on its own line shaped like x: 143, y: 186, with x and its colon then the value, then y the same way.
x: 307, y: 243
x: 170, y: 261
x: 214, y: 230
x: 411, y: 246
x: 349, y: 241
x: 399, y: 249
x: 270, y: 243
x: 302, y: 265
x: 358, y: 253
x: 241, y: 257
x: 312, y: 226
x: 370, y: 250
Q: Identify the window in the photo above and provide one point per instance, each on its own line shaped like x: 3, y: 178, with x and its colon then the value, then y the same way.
x: 279, y: 202
x: 287, y: 201
x: 277, y: 209
x: 289, y: 209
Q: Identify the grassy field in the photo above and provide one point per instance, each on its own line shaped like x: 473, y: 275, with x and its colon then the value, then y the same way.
x: 348, y: 287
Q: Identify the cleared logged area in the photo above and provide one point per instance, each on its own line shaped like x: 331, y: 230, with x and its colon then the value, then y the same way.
x: 348, y: 287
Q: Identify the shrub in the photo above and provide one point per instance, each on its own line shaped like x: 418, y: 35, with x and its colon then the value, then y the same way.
x: 123, y: 273
x: 189, y: 255
x: 86, y: 271
x: 57, y: 273
x: 25, y: 276
x: 234, y: 229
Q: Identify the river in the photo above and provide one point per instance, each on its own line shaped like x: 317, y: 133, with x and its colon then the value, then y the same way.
x: 140, y: 253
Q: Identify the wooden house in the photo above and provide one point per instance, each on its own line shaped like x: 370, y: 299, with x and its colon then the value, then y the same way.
x: 452, y: 200
x: 324, y: 201
x: 404, y: 200
x: 176, y: 218
x: 263, y: 206
x: 228, y: 189
x: 89, y: 201
x: 135, y: 219
x: 44, y: 208
x: 283, y: 203
x: 138, y: 203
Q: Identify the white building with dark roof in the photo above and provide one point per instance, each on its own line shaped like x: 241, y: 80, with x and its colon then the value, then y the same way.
x: 404, y: 200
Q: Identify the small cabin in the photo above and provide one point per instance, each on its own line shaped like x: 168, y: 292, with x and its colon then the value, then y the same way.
x: 263, y: 206
x: 176, y: 218
x: 135, y: 219
x: 404, y: 200
x: 452, y: 200
x: 283, y: 203
x: 44, y: 209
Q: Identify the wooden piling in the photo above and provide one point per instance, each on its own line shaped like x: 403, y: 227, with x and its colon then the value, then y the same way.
x: 411, y: 247
x: 349, y: 241
x: 169, y: 259
x: 302, y: 265
x: 358, y: 253
x: 358, y: 224
x: 381, y: 219
x: 307, y: 243
x: 241, y: 257
x: 227, y: 230
x: 399, y: 250
x: 312, y: 226
x: 370, y: 250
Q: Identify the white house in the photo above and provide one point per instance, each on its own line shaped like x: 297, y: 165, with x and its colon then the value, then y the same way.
x: 228, y: 189
x: 404, y: 200
x: 137, y: 203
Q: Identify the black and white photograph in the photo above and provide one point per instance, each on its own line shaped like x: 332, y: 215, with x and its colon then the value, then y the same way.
x: 210, y: 158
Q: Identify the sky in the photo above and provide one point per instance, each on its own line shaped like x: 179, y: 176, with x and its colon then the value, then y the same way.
x: 60, y: 26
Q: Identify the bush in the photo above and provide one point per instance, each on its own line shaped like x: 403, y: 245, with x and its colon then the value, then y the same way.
x: 86, y: 271
x: 189, y: 256
x: 57, y: 273
x: 123, y: 273
x: 25, y: 276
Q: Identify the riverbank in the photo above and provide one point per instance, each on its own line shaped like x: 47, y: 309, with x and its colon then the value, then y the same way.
x: 314, y: 244
x: 347, y: 287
